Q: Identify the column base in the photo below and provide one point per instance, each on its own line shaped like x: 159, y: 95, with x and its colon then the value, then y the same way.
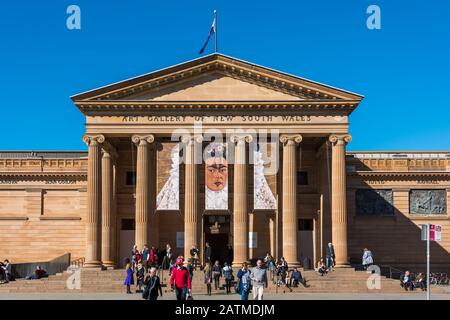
x: 109, y: 265
x: 342, y: 265
x: 93, y: 265
x: 295, y: 264
x: 239, y: 264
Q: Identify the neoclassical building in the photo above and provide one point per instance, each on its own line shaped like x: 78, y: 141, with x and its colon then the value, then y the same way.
x: 222, y: 151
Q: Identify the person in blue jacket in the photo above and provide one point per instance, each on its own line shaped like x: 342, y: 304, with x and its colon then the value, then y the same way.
x: 244, y: 281
x: 129, y: 279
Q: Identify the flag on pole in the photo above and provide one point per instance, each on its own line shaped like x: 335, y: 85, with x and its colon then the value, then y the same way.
x: 211, y: 32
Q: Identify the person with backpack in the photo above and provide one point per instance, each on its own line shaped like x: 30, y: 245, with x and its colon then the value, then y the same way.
x: 228, y: 275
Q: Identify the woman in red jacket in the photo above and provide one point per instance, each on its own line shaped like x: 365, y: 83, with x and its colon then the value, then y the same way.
x: 180, y: 280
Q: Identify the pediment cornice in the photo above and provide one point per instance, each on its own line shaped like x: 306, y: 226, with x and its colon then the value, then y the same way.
x: 126, y: 107
x: 295, y: 86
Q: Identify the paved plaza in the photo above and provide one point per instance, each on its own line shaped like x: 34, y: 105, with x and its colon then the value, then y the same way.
x: 271, y: 296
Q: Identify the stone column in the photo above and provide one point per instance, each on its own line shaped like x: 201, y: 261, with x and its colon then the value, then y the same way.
x: 93, y: 253
x: 338, y: 198
x: 108, y: 217
x: 289, y: 209
x: 191, y: 236
x: 142, y: 189
x: 240, y: 214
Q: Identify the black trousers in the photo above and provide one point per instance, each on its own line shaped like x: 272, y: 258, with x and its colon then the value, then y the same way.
x: 228, y: 285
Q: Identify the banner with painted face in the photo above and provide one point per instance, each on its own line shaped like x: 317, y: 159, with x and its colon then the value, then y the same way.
x: 216, y: 176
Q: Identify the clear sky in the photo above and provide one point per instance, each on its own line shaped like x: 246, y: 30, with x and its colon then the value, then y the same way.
x: 402, y: 70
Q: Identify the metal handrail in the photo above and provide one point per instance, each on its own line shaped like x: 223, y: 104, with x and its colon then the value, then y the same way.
x: 392, y: 270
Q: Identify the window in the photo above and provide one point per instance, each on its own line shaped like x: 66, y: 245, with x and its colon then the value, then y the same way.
x: 131, y: 178
x: 374, y: 202
x: 305, y: 225
x: 302, y: 178
x: 128, y: 224
x: 427, y: 202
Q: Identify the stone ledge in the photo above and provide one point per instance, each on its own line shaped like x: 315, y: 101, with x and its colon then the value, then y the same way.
x: 59, y: 218
x: 13, y: 218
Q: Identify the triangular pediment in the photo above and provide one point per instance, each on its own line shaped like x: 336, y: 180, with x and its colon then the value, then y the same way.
x: 216, y: 78
x: 213, y: 87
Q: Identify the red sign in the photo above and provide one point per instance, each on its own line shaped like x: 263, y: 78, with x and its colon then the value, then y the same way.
x: 435, y: 232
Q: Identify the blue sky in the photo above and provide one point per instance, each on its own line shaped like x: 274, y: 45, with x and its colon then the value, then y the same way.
x: 402, y: 69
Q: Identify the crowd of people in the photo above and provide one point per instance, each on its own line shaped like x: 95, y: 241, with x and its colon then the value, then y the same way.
x: 409, y: 281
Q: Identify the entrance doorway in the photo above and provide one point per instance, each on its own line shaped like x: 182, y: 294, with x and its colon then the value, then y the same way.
x: 217, y: 234
x: 306, y: 242
x: 127, y: 234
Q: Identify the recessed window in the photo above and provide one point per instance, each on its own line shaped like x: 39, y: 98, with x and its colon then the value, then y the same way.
x: 128, y: 224
x: 305, y: 225
x: 302, y: 178
x: 374, y: 202
x: 131, y: 178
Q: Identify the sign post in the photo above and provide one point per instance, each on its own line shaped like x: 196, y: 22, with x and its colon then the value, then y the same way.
x: 430, y: 232
x: 428, y: 261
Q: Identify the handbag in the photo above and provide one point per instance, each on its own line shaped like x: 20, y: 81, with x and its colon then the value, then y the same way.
x: 189, y: 296
x: 146, y: 293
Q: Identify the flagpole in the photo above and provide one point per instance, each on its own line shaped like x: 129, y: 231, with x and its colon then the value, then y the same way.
x: 215, y: 33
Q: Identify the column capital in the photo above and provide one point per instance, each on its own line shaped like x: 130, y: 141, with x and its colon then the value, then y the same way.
x: 286, y: 138
x: 241, y: 138
x: 138, y: 139
x: 93, y: 139
x: 340, y: 138
x: 109, y: 150
x: 186, y: 139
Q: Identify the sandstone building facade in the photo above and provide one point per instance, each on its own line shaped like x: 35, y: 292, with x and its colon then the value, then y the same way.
x: 130, y: 187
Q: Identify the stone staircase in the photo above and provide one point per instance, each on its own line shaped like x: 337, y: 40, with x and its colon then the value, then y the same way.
x: 342, y: 280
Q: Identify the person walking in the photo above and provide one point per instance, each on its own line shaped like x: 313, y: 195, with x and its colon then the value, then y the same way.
x: 194, y: 256
x: 152, y: 257
x: 228, y: 275
x: 180, y: 280
x: 168, y: 257
x: 140, y: 273
x: 283, y: 268
x: 330, y: 258
x: 244, y: 279
x: 207, y: 271
x: 152, y: 286
x: 129, y: 277
x: 217, y: 274
x: 367, y: 258
x: 133, y: 256
x: 190, y: 268
x: 259, y: 280
x: 229, y: 255
x: 145, y: 258
x: 208, y: 251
